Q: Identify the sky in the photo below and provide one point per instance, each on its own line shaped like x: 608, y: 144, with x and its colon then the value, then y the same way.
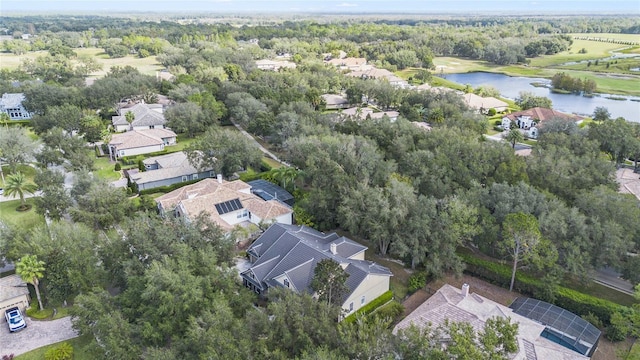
x: 256, y: 7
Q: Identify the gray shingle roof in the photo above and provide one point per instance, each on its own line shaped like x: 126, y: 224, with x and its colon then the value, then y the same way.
x: 143, y: 116
x: 296, y: 250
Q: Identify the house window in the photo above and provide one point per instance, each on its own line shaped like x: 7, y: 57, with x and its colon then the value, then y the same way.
x: 245, y: 213
x: 194, y: 176
x: 152, y: 127
x: 362, y: 300
x: 351, y: 306
x: 212, y: 174
x: 239, y: 216
x: 121, y: 152
x: 286, y: 282
x: 184, y: 177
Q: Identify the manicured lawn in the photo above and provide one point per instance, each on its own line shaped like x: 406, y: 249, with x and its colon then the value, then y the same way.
x: 28, y: 171
x: 105, y: 169
x: 24, y: 219
x: 602, y: 292
x: 274, y: 164
x: 79, y: 352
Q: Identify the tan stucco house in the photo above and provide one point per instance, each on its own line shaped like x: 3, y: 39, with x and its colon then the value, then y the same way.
x: 13, y: 292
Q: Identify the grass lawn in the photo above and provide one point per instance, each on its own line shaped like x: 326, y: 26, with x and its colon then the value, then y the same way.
x: 602, y: 292
x: 634, y: 354
x: 148, y: 65
x: 28, y: 171
x: 272, y: 163
x: 24, y: 219
x: 105, y: 169
x: 79, y: 352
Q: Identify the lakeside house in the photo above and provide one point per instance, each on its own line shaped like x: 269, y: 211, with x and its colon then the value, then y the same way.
x: 530, y: 120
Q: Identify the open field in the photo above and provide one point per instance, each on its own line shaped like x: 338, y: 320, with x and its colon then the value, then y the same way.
x: 148, y: 65
x: 595, y: 50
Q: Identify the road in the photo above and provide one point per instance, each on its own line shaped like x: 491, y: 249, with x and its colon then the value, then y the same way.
x: 611, y: 279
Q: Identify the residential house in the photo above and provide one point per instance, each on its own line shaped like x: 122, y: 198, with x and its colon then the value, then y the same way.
x: 165, y: 75
x: 529, y: 119
x: 349, y: 63
x: 11, y: 104
x: 139, y: 142
x: 13, y: 292
x: 360, y: 113
x: 227, y: 203
x: 274, y: 65
x: 166, y: 170
x: 422, y: 125
x: 484, y: 104
x: 145, y: 116
x: 333, y: 102
x: 545, y: 331
x: 270, y: 191
x: 371, y: 72
x: 287, y: 255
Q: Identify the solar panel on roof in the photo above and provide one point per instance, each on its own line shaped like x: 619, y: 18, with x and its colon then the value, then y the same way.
x: 228, y: 206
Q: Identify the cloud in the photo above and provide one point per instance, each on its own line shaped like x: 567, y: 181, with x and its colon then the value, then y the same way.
x: 347, y: 5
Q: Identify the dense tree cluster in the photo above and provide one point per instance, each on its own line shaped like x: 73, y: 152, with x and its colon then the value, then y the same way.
x: 565, y: 82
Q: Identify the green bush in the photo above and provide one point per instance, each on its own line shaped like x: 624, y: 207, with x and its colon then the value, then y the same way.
x: 619, y: 328
x: 118, y: 167
x: 64, y: 351
x: 594, y: 320
x: 264, y: 166
x: 497, y: 122
x: 492, y: 112
x: 141, y: 166
x: 390, y: 311
x: 168, y: 188
x: 367, y: 309
x: 417, y: 281
x: 571, y: 300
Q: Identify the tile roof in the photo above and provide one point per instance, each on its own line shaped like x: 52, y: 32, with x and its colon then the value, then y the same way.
x: 11, y: 100
x: 140, y: 138
x: 449, y: 303
x: 11, y: 287
x: 295, y: 250
x: 478, y: 102
x: 543, y: 114
x: 204, y: 195
x: 169, y: 166
x: 144, y: 115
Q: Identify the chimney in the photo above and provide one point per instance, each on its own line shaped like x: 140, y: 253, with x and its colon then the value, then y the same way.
x: 219, y: 178
x: 334, y: 248
x: 465, y: 290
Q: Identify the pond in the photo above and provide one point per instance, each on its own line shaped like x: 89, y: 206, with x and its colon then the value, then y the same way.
x: 510, y: 87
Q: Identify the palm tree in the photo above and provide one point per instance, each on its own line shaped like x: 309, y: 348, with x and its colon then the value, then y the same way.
x: 514, y: 136
x: 17, y: 184
x: 130, y: 116
x: 31, y: 270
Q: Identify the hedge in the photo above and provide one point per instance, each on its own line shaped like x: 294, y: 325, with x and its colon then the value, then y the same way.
x: 370, y: 307
x: 168, y: 188
x: 14, y: 122
x: 571, y: 300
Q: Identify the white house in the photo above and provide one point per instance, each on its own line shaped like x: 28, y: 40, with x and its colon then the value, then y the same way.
x: 145, y: 116
x: 286, y: 256
x: 227, y: 203
x: 531, y: 119
x: 11, y: 104
x: 140, y: 142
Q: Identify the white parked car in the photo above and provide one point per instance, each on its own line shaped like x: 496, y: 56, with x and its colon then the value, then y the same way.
x: 14, y: 319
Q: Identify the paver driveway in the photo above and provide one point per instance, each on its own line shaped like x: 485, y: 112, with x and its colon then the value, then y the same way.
x: 37, y: 334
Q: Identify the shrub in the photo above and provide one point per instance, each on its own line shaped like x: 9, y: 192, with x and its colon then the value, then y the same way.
x: 417, y: 281
x: 141, y: 166
x: 594, y: 320
x: 64, y: 351
x: 492, y: 112
x: 390, y: 311
x: 498, y: 128
x: 370, y: 307
x: 619, y: 328
x: 168, y: 188
x: 571, y: 300
x: 118, y: 167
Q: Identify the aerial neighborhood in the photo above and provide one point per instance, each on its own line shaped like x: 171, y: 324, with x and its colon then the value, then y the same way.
x: 388, y: 182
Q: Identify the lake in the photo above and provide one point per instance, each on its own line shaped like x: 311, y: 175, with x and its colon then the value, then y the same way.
x: 510, y: 87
